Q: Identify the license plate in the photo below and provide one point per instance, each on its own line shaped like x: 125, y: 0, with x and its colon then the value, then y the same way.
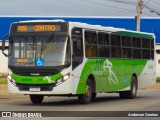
x: 34, y: 89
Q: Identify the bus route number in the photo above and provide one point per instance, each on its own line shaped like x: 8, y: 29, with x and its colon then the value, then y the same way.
x: 36, y: 28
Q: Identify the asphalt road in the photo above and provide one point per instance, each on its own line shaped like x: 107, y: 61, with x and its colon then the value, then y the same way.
x: 147, y: 100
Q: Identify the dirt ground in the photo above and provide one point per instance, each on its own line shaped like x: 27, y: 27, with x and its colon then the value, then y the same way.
x: 4, y: 91
x: 153, y: 87
x: 5, y: 95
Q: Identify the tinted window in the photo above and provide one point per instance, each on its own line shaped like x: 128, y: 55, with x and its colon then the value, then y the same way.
x: 77, y: 44
x: 77, y: 47
x: 90, y: 37
x: 152, y: 54
x: 104, y: 51
x: 103, y: 38
x: 126, y: 41
x: 152, y: 48
x: 126, y: 53
x: 152, y: 43
x: 116, y: 52
x: 136, y: 42
x: 146, y: 54
x: 145, y: 43
x: 137, y: 53
x: 115, y: 40
x: 91, y: 43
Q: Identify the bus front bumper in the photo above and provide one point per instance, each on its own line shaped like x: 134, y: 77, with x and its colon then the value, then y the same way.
x: 64, y: 88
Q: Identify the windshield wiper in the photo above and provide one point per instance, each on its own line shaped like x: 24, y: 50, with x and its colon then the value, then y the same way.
x: 49, y: 40
x: 42, y: 49
x: 34, y: 55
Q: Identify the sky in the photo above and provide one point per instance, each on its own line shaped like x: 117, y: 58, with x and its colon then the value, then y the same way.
x: 116, y: 8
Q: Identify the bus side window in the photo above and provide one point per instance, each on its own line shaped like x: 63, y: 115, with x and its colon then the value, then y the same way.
x: 152, y: 49
x: 116, y: 46
x: 136, y: 48
x: 91, y: 44
x: 126, y: 47
x: 91, y: 51
x: 77, y: 47
x: 146, y: 48
x: 125, y: 54
x: 103, y: 45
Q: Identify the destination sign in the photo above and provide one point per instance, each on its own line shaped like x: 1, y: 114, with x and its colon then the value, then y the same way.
x: 22, y: 60
x: 38, y: 28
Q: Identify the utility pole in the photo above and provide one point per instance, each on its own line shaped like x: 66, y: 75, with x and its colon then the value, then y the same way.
x: 139, y: 12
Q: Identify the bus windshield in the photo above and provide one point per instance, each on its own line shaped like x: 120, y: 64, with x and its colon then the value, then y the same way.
x: 39, y: 51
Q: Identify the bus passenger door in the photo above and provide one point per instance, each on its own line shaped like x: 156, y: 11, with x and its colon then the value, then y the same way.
x: 77, y: 47
x: 77, y: 56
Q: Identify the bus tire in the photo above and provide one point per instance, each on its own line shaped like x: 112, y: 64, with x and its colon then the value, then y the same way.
x: 87, y: 97
x: 122, y: 94
x: 36, y: 99
x: 93, y: 96
x: 131, y: 94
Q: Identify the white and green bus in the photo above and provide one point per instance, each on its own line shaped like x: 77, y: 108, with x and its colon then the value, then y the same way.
x: 58, y: 58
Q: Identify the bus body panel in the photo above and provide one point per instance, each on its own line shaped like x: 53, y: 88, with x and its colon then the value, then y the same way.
x: 148, y: 75
x: 64, y: 88
x: 115, y: 75
x: 111, y: 74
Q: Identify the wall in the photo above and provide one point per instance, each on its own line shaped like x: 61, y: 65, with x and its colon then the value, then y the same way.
x: 3, y: 60
x: 158, y: 60
x: 147, y: 24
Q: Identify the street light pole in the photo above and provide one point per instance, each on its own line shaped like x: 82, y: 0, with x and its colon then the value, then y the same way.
x: 139, y: 12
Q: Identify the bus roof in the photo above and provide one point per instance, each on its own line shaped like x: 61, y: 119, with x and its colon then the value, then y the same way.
x: 120, y: 31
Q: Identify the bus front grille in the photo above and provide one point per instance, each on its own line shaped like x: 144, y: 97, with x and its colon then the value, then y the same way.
x: 42, y: 87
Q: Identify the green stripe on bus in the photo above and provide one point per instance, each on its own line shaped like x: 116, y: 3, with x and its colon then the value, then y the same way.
x: 36, y: 79
x: 110, y: 75
x: 134, y: 34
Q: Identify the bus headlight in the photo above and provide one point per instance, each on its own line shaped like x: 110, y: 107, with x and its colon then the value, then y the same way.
x: 66, y: 77
x: 62, y: 79
x: 11, y: 80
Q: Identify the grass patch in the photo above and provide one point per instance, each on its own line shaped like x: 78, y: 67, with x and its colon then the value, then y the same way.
x: 3, y: 79
x: 158, y: 79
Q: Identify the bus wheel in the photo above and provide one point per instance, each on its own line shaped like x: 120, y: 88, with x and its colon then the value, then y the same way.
x: 36, y: 99
x: 131, y: 94
x: 86, y: 98
x: 93, y: 96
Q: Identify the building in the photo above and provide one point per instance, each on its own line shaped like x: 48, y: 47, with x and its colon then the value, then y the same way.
x: 147, y: 25
x: 158, y: 60
x: 3, y: 60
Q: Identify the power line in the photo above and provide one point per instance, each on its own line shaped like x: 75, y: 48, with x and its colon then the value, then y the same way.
x: 124, y: 2
x: 114, y: 6
x: 95, y: 8
x: 147, y: 2
x: 107, y: 5
x: 71, y: 3
x: 149, y: 14
x: 152, y: 10
x: 99, y: 9
x: 155, y: 2
x: 154, y: 6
